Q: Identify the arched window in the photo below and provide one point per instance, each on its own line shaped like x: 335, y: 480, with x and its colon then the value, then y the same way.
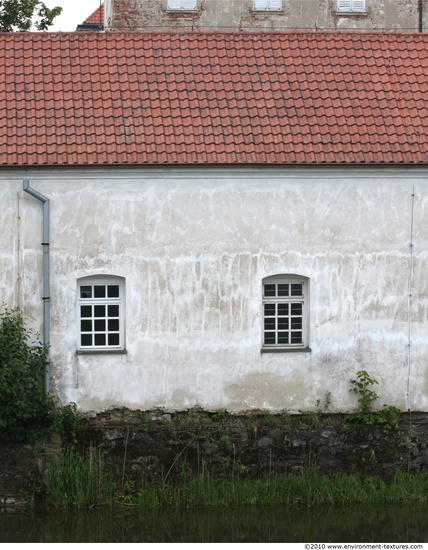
x: 101, y: 313
x: 285, y: 313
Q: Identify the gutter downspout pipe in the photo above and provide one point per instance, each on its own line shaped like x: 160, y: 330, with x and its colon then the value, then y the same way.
x: 420, y: 10
x: 46, y: 287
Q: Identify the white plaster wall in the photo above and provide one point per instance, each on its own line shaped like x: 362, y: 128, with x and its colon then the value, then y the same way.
x: 131, y: 15
x: 194, y: 246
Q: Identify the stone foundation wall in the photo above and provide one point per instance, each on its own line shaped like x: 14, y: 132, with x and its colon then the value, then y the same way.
x: 150, y: 445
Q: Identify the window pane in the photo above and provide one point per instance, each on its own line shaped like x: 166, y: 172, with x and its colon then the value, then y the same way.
x: 99, y: 291
x: 296, y: 337
x: 85, y: 311
x: 113, y: 291
x: 282, y: 337
x: 283, y: 323
x: 100, y: 339
x: 99, y: 311
x: 113, y: 325
x: 270, y: 290
x: 100, y: 324
x: 283, y: 290
x: 296, y: 323
x: 282, y: 309
x: 270, y: 338
x: 269, y: 309
x: 113, y: 311
x: 296, y: 309
x: 86, y: 326
x: 86, y: 292
x: 270, y: 324
x: 86, y: 340
x: 113, y: 339
x: 296, y: 289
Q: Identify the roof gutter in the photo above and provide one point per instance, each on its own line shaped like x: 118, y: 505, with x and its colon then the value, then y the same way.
x: 46, y: 287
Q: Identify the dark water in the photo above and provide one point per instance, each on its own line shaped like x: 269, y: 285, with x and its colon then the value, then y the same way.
x: 261, y: 524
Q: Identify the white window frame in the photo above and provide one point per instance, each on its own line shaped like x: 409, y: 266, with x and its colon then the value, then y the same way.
x: 351, y: 6
x: 182, y: 5
x: 285, y: 313
x: 267, y: 5
x: 101, y: 315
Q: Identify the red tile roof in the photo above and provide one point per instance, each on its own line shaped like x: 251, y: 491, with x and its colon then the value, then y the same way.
x: 213, y: 98
x: 96, y: 18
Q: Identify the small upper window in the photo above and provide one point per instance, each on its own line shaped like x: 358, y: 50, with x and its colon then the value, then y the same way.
x: 268, y: 5
x: 182, y: 5
x: 351, y: 5
x: 101, y: 313
x: 285, y: 312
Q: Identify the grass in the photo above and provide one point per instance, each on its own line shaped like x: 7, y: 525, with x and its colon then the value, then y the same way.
x: 83, y: 481
x: 79, y: 481
x: 310, y: 489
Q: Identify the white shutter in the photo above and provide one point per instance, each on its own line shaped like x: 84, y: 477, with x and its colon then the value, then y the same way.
x: 260, y: 4
x: 174, y: 4
x: 351, y: 5
x: 267, y: 5
x: 358, y: 5
x: 188, y: 4
x: 182, y: 4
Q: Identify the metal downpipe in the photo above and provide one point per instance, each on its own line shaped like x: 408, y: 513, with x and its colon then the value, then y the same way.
x: 46, y: 286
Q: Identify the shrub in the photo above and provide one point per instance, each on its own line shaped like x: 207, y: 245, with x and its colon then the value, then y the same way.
x: 24, y: 414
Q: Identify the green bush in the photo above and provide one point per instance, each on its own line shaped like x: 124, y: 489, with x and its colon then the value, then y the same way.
x: 25, y: 406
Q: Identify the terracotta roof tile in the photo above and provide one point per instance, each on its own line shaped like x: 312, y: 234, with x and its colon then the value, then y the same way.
x: 97, y: 17
x: 206, y: 98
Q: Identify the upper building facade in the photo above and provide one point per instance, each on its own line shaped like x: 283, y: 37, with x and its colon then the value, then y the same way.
x: 247, y: 15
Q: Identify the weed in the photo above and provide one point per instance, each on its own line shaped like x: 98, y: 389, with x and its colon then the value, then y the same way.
x: 66, y: 421
x: 387, y: 418
x: 323, y: 406
x: 270, y: 418
x: 360, y: 386
x: 219, y: 416
x: 144, y: 419
x: 285, y: 414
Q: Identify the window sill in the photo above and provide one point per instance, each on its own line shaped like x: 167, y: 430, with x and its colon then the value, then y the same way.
x: 265, y: 12
x: 182, y: 11
x: 351, y: 13
x: 101, y: 352
x: 285, y: 350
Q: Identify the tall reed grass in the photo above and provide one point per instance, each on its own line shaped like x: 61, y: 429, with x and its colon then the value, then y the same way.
x: 80, y: 481
x: 309, y: 489
x: 83, y: 481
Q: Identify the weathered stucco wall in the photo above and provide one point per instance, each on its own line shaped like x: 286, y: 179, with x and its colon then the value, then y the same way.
x: 193, y: 247
x: 131, y: 15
